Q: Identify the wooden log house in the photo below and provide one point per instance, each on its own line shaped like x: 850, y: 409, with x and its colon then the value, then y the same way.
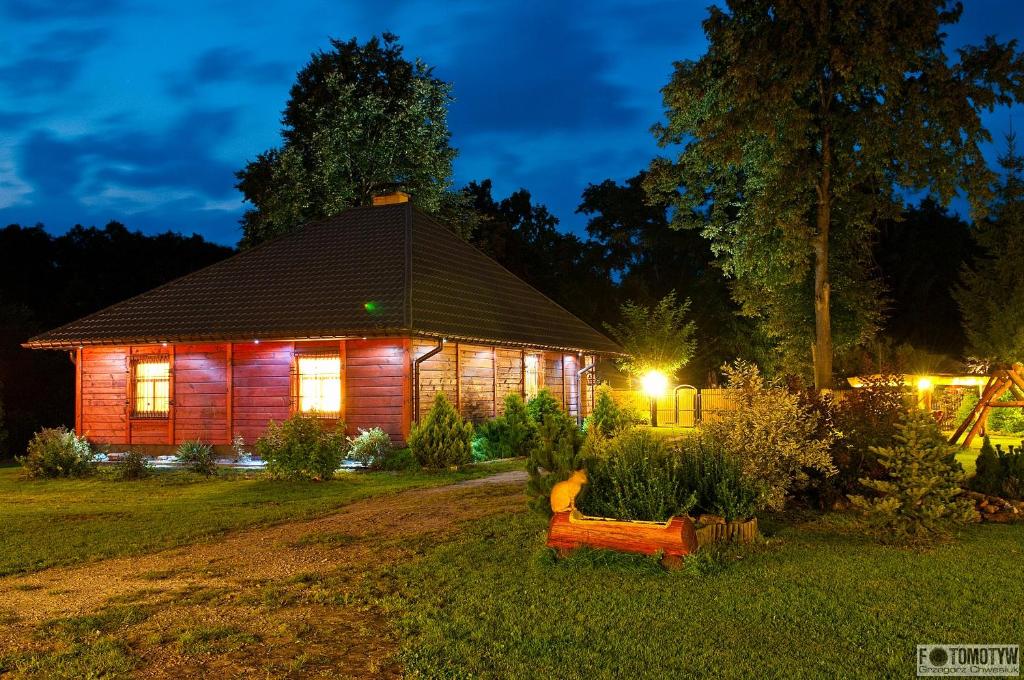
x: 363, y: 317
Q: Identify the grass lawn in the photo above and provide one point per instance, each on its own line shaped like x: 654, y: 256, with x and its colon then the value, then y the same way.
x: 61, y: 521
x: 818, y: 600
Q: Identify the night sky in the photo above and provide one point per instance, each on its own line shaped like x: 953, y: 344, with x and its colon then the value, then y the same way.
x: 141, y: 112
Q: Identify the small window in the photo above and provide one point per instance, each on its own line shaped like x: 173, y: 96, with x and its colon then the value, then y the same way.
x: 531, y: 375
x: 320, y: 385
x: 151, y: 382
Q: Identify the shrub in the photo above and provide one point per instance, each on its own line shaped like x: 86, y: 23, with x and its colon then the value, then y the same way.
x: 998, y: 473
x: 541, y: 405
x: 636, y: 478
x: 58, y: 452
x: 302, y: 447
x: 773, y: 435
x: 718, y: 481
x: 398, y: 460
x: 197, y: 456
x: 443, y: 439
x: 608, y: 415
x: 370, y: 447
x: 133, y: 465
x: 555, y: 457
x: 920, y: 497
x: 510, y: 435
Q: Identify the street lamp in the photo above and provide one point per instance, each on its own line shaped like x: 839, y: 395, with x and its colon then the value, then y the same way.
x: 654, y: 384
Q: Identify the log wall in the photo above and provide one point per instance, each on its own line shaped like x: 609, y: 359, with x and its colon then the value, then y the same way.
x: 222, y: 390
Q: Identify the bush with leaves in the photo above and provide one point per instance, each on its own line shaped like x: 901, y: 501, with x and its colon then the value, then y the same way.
x: 398, y: 460
x: 302, y: 447
x: 510, y: 435
x: 636, y: 477
x: 443, y: 439
x: 717, y: 480
x: 866, y: 417
x: 921, y: 497
x: 132, y: 466
x: 542, y: 405
x: 370, y: 447
x: 58, y: 452
x: 197, y: 456
x: 773, y: 435
x: 655, y: 338
x: 557, y: 454
x: 608, y: 415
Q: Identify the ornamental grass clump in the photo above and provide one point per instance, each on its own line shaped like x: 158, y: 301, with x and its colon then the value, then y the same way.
x: 636, y: 477
x: 443, y: 439
x: 302, y: 447
x: 197, y: 456
x: 58, y: 452
x: 717, y: 480
x: 921, y: 496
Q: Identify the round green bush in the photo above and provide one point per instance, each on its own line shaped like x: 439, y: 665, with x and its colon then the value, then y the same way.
x: 302, y: 447
x: 58, y: 452
x: 443, y: 439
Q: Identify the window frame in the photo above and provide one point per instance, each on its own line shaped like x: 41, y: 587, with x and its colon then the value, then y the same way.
x: 297, y: 396
x: 134, y: 381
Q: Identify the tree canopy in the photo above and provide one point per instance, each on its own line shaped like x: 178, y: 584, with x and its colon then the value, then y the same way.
x: 657, y: 337
x: 992, y: 293
x: 797, y: 127
x: 360, y: 119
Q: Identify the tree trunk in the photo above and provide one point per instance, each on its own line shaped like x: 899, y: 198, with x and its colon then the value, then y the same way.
x: 822, y: 350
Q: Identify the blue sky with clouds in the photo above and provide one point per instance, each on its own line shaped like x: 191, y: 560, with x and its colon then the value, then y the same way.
x: 142, y: 111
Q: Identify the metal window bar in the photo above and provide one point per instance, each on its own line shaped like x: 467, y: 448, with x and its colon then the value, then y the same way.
x: 151, y: 386
x: 318, y: 384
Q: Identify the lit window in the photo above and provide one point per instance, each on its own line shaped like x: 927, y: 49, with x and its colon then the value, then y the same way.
x: 531, y: 375
x: 320, y: 385
x: 151, y: 381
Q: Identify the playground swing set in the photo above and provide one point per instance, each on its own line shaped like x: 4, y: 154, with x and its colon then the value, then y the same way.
x: 1001, y: 380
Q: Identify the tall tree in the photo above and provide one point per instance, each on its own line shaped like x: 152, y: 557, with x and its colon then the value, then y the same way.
x: 992, y: 293
x: 650, y: 259
x: 657, y: 337
x: 359, y: 119
x: 797, y: 126
x: 524, y: 237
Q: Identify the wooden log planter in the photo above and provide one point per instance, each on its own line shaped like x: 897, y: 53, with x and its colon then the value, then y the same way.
x: 679, y: 536
x: 724, y: 532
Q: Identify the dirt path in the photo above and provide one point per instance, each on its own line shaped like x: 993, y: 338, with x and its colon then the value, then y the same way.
x: 280, y: 601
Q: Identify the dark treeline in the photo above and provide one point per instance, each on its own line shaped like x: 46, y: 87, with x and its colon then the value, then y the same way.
x: 630, y: 253
x: 47, y: 280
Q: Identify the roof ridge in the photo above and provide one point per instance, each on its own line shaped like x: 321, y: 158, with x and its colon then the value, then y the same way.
x: 515, y: 276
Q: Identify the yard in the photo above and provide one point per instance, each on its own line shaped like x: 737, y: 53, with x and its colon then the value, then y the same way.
x: 334, y: 580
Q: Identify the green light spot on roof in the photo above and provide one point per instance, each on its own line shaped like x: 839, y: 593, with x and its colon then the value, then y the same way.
x: 370, y: 307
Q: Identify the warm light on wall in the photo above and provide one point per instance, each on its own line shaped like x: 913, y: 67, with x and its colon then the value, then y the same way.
x: 152, y: 388
x: 320, y: 385
x: 654, y: 383
x: 531, y: 375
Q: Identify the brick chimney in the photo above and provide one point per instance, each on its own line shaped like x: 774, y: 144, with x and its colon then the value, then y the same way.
x: 391, y: 198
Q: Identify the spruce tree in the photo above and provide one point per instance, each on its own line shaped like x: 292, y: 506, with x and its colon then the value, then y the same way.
x: 443, y: 438
x: 920, y: 496
x: 988, y: 470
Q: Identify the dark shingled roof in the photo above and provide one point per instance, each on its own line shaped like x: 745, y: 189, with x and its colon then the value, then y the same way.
x: 374, y: 271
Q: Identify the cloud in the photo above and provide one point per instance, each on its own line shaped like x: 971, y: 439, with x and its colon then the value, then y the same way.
x: 51, y: 64
x: 227, y: 64
x: 37, y: 10
x: 116, y: 172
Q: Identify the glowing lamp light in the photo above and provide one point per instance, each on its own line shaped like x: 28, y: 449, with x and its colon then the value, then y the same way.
x: 654, y: 383
x: 924, y: 385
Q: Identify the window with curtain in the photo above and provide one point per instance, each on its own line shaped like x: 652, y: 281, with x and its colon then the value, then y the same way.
x: 151, y: 385
x: 320, y: 385
x: 531, y: 375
